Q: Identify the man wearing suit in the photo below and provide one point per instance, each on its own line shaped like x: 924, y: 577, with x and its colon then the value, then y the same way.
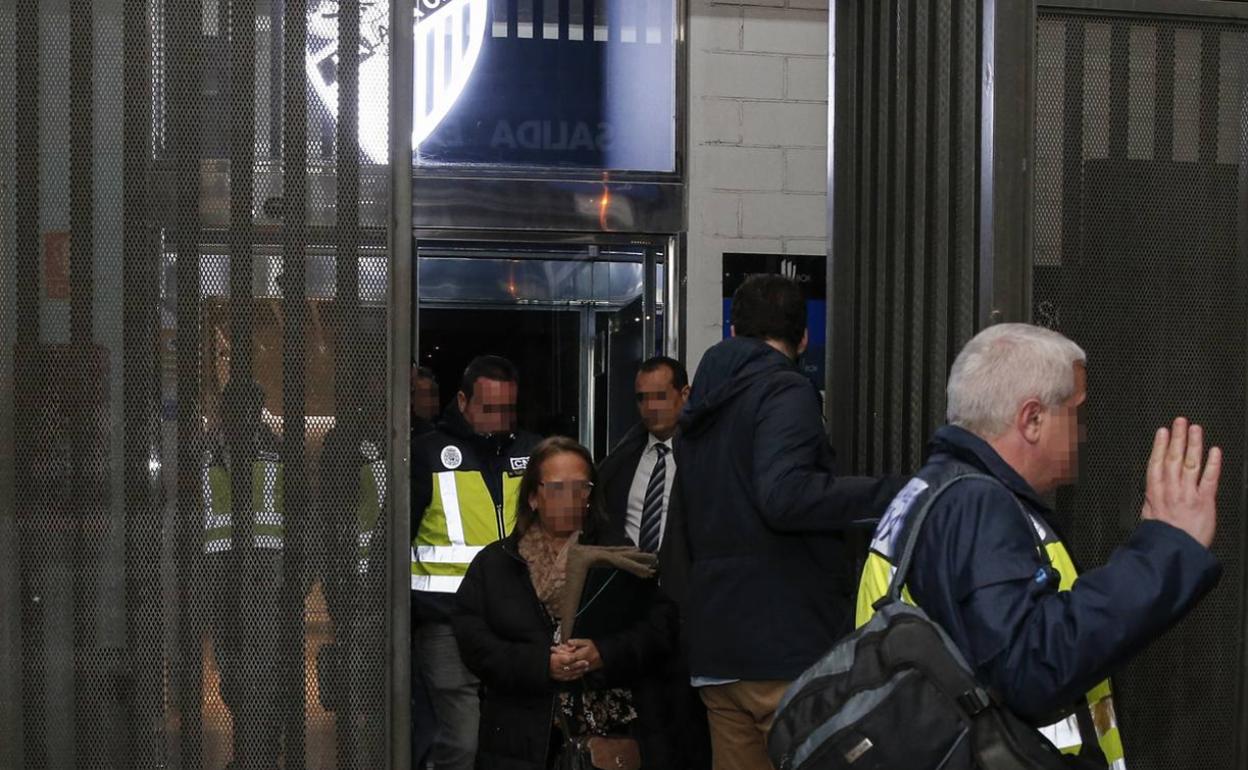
x: 638, y: 480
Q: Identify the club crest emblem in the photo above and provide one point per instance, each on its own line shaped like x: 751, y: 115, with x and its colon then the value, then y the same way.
x: 448, y: 39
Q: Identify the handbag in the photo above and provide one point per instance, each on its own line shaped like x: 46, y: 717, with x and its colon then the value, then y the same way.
x: 597, y: 752
x: 600, y: 753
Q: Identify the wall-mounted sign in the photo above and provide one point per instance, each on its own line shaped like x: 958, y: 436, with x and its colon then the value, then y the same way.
x: 582, y: 91
x: 809, y: 270
x: 448, y: 38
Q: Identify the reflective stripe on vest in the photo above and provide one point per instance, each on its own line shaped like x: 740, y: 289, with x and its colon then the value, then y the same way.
x: 368, y: 511
x: 878, y: 572
x: 268, y: 524
x: 460, y: 521
x: 442, y: 584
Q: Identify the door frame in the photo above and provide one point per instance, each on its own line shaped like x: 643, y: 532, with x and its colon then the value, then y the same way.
x: 659, y: 249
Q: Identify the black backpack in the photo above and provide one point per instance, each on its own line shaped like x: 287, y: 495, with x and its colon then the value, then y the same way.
x: 897, y: 694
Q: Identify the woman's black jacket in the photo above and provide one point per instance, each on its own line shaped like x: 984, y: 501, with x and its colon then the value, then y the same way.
x: 505, y: 636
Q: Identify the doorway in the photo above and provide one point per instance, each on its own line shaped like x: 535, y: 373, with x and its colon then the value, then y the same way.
x: 575, y: 319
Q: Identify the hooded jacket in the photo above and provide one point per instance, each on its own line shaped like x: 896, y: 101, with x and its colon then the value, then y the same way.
x: 771, y: 581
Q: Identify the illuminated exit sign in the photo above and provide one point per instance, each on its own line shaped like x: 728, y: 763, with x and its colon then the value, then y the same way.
x: 448, y: 39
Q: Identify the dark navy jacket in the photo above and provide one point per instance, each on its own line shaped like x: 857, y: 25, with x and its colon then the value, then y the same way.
x: 1039, y: 649
x: 770, y: 581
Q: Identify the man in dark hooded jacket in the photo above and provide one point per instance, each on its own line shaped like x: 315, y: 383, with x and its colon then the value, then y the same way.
x: 770, y: 584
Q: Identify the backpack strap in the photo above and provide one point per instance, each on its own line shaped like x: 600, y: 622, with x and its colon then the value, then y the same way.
x: 912, y: 534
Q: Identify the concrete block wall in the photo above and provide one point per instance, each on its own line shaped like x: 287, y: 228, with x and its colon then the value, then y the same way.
x: 758, y: 101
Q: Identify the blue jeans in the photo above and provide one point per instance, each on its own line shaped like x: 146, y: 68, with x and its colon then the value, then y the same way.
x: 455, y: 694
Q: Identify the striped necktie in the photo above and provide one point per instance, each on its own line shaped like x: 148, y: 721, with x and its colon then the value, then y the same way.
x: 652, y: 509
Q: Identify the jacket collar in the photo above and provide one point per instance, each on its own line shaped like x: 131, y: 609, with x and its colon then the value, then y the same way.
x: 966, y: 447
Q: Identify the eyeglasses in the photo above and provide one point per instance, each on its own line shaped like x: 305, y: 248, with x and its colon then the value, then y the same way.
x: 563, y: 487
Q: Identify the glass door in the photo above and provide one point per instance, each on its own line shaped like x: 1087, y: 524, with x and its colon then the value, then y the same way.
x: 576, y: 320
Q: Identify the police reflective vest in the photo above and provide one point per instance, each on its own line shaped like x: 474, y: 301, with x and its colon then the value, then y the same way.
x: 267, y: 504
x: 878, y: 572
x: 460, y: 521
x: 372, y: 497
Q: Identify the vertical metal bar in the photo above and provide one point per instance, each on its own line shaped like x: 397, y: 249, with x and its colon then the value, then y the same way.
x: 900, y: 214
x: 184, y: 150
x: 1006, y: 83
x: 25, y: 392
x: 513, y: 19
x: 402, y: 290
x: 277, y: 17
x: 294, y: 365
x: 340, y: 532
x: 564, y: 18
x: 916, y: 299
x: 539, y: 19
x: 242, y: 183
x: 1120, y: 83
x: 237, y: 615
x: 938, y: 335
x: 587, y: 20
x: 866, y: 177
x: 965, y: 137
x: 1163, y: 111
x: 85, y: 398
x: 649, y: 268
x: 1072, y: 139
x: 588, y: 373
x: 672, y: 308
x: 1240, y: 73
x: 145, y: 616
x: 681, y: 277
x: 81, y: 153
x: 881, y: 150
x: 844, y: 70
x: 1210, y: 65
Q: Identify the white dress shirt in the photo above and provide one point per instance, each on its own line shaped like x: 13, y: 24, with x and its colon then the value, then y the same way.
x: 641, y: 479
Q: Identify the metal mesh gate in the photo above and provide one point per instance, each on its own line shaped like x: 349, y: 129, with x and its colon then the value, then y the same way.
x: 1139, y: 256
x: 193, y: 379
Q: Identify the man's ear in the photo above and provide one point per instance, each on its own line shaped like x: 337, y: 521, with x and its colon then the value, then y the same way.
x: 801, y: 346
x: 462, y: 401
x: 1029, y: 420
x: 732, y: 330
x: 684, y: 392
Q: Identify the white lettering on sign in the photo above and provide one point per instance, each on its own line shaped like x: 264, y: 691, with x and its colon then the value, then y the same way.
x: 550, y: 135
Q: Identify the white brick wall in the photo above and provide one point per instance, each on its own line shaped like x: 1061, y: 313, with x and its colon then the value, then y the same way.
x: 758, y: 90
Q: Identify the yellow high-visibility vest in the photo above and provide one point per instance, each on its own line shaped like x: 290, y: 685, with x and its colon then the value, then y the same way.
x: 267, y: 502
x: 878, y: 572
x: 372, y: 497
x: 460, y: 521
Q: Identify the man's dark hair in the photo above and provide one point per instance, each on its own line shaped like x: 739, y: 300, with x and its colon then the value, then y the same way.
x: 423, y: 372
x: 489, y: 367
x: 770, y: 307
x: 680, y: 376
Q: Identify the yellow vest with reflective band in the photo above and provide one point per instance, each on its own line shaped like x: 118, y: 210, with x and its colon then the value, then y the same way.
x: 460, y: 521
x: 878, y: 573
x: 267, y: 504
x: 372, y: 497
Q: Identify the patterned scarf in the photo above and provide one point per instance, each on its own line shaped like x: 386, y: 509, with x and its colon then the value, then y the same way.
x: 548, y: 565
